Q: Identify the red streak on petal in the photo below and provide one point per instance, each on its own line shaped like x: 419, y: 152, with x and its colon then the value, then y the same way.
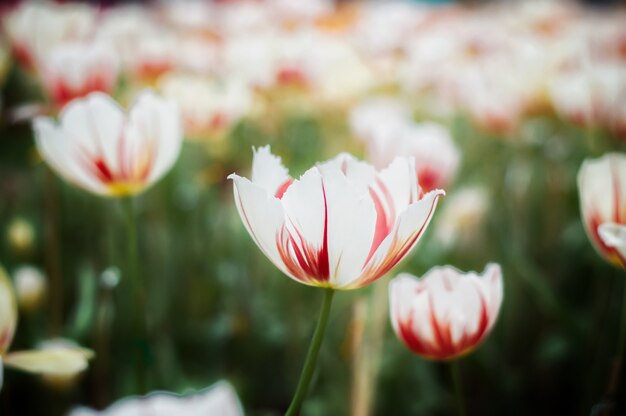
x: 307, y: 263
x: 283, y: 188
x: 384, y: 220
x: 102, y: 171
x: 397, y: 251
x: 610, y: 253
x: 442, y: 346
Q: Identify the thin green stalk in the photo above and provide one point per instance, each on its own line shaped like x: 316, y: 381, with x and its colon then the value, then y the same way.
x: 622, y: 331
x: 311, y: 358
x: 619, y: 354
x: 53, y: 253
x: 139, y: 309
x: 458, y: 386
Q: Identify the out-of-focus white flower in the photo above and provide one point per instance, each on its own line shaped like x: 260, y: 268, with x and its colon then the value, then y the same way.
x: 194, y: 15
x: 208, y: 107
x: 378, y: 116
x: 300, y: 12
x: 436, y: 156
x: 250, y: 58
x: 591, y: 95
x: 30, y: 286
x: 146, y: 49
x: 73, y: 70
x: 33, y: 28
x: 197, y: 54
x: 339, y: 73
x: 217, y: 400
x: 462, y: 217
x: 154, y: 54
x: 446, y: 313
x: 386, y: 127
x: 103, y: 149
x: 244, y: 18
x: 383, y: 27
x: 494, y: 103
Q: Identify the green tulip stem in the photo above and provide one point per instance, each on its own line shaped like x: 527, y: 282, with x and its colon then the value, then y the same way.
x: 622, y: 331
x: 311, y: 358
x: 455, y: 373
x: 139, y: 309
x: 619, y: 354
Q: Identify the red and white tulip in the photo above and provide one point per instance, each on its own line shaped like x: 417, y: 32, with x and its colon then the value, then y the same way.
x: 33, y: 28
x: 341, y: 225
x: 73, y: 70
x: 105, y: 150
x: 446, y: 313
x: 602, y: 191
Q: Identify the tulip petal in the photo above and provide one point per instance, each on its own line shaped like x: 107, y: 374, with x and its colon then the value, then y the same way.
x: 157, y: 125
x: 94, y: 126
x: 57, y: 151
x: 50, y: 362
x: 304, y: 238
x: 614, y: 236
x: 360, y: 174
x: 8, y: 312
x: 262, y: 215
x: 406, y: 233
x: 269, y: 173
x: 351, y: 227
x: 602, y: 188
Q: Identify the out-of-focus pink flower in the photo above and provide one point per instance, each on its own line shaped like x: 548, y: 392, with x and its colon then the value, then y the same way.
x: 341, y: 225
x: 101, y: 148
x: 74, y: 70
x: 446, y: 313
x: 33, y: 28
x: 388, y: 132
x: 217, y: 400
x: 602, y: 191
